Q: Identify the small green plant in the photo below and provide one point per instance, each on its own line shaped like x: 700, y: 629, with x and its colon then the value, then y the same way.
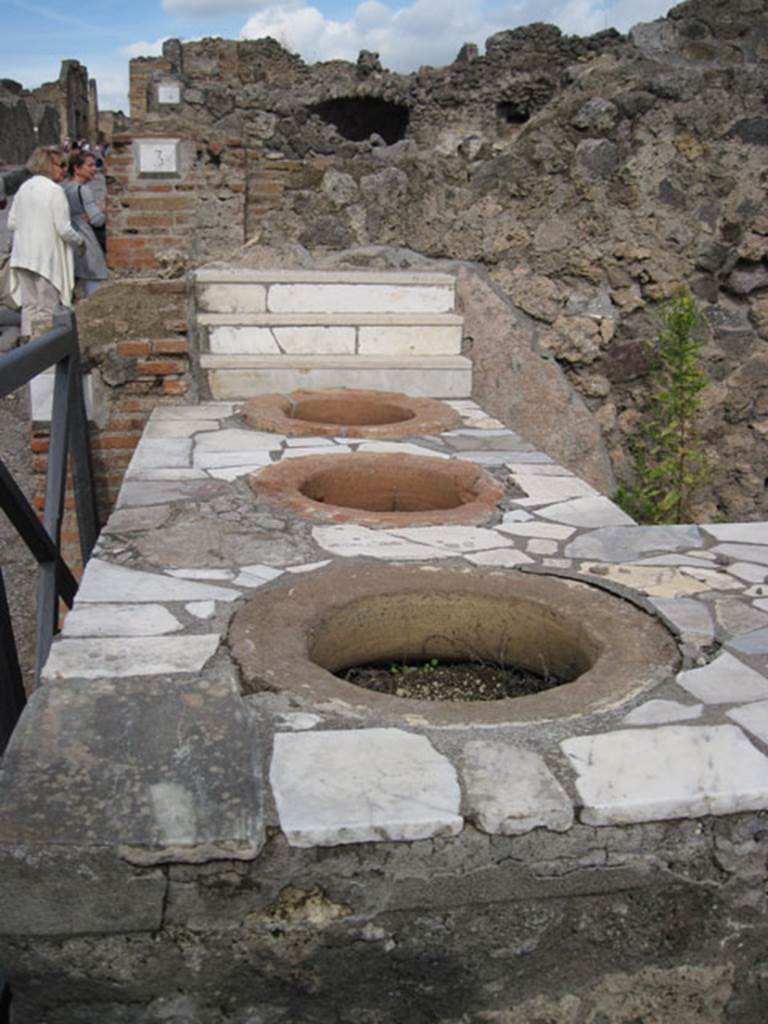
x: 670, y: 462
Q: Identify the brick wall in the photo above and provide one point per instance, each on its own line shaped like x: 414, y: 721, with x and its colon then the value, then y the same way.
x: 133, y: 339
x: 199, y: 213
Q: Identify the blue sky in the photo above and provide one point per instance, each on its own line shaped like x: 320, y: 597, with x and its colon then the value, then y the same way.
x: 36, y: 35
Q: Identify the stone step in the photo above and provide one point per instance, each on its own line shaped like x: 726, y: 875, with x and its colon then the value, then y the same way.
x: 244, y: 275
x: 242, y: 376
x: 327, y: 293
x: 373, y: 340
x: 329, y: 319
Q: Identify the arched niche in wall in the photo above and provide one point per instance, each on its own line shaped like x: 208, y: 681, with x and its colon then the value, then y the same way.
x: 358, y: 117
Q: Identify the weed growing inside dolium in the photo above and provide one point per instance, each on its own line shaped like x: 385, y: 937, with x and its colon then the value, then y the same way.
x: 668, y: 451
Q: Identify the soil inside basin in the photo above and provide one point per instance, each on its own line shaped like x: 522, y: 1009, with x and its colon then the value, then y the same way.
x: 452, y: 681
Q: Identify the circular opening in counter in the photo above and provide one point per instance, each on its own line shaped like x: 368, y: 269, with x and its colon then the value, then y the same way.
x: 592, y: 649
x: 350, y: 411
x: 381, y: 489
x: 342, y: 412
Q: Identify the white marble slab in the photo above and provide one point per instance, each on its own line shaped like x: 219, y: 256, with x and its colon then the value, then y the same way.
x: 660, y: 712
x: 410, y: 340
x: 302, y: 453
x: 588, y: 512
x: 753, y: 718
x: 672, y: 771
x: 104, y: 582
x: 630, y: 543
x: 511, y: 790
x: 457, y: 539
x: 690, y: 616
x: 503, y: 558
x: 533, y: 528
x: 541, y: 547
x: 309, y: 442
x: 161, y: 453
x: 178, y: 428
x: 519, y: 515
x: 755, y: 642
x: 172, y: 473
x: 726, y: 680
x: 222, y: 575
x: 552, y: 488
x: 400, y: 448
x: 366, y: 785
x: 659, y: 581
x: 201, y: 609
x: 350, y: 541
x: 110, y: 657
x: 740, y: 533
x: 236, y: 440
x: 538, y: 469
x: 256, y: 575
x: 315, y: 340
x: 205, y: 410
x: 119, y: 620
x: 236, y: 340
x: 231, y: 473
x: 749, y: 572
x: 359, y: 298
x: 241, y: 462
x: 308, y: 566
x: 744, y: 552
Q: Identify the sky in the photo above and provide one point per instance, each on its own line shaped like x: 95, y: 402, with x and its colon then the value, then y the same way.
x: 36, y: 35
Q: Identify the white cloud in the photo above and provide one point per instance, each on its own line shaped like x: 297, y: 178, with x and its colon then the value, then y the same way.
x: 429, y: 31
x: 144, y: 49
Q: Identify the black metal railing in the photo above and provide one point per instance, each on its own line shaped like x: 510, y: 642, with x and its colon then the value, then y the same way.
x: 68, y: 436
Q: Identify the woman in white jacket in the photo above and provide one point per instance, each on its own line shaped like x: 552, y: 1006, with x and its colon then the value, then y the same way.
x: 43, y: 239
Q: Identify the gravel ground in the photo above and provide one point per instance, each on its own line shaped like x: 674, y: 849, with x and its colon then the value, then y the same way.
x: 18, y: 566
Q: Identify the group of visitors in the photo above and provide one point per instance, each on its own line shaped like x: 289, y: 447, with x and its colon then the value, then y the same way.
x: 58, y: 240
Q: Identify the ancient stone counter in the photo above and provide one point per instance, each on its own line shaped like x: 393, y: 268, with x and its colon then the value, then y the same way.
x: 186, y: 837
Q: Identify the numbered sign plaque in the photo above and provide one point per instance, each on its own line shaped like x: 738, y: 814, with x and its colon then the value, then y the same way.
x: 157, y: 156
x: 168, y: 92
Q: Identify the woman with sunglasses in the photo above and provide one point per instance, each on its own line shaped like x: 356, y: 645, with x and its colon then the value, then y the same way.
x: 43, y: 241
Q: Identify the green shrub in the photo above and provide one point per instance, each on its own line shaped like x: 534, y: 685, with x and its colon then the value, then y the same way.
x: 668, y: 451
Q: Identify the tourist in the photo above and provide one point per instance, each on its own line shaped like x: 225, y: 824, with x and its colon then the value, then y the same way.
x: 87, y: 219
x: 43, y: 239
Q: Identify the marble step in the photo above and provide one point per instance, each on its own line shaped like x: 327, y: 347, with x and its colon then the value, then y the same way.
x: 374, y: 338
x: 245, y: 275
x: 384, y: 319
x: 242, y: 376
x: 231, y: 291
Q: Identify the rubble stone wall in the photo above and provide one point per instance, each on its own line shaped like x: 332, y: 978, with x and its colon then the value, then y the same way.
x: 67, y: 106
x: 592, y: 178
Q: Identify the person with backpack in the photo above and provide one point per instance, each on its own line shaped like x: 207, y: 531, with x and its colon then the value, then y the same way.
x: 89, y: 220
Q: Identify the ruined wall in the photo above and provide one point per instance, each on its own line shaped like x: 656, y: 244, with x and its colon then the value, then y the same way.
x: 44, y: 116
x: 592, y: 178
x: 24, y: 123
x: 73, y: 97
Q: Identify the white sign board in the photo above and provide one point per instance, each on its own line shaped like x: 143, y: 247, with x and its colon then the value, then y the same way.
x: 168, y: 92
x: 157, y: 156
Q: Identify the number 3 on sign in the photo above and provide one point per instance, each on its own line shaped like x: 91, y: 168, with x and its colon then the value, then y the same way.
x: 158, y: 157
